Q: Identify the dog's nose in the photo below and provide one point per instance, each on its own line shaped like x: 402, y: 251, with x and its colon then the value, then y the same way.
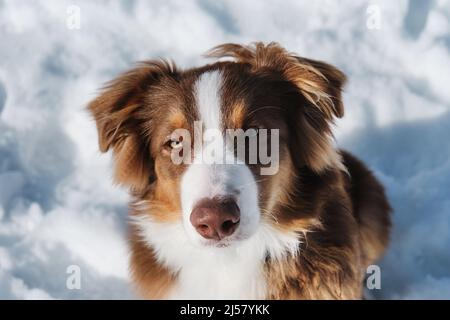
x: 215, y: 218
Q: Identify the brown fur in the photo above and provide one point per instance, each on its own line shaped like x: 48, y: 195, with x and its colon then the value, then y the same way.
x: 327, y: 196
x: 152, y: 280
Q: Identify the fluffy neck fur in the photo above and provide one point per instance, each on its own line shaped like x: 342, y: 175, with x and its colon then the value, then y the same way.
x: 235, y: 272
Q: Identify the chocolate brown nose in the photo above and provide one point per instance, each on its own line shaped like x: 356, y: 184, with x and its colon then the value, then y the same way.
x: 215, y: 218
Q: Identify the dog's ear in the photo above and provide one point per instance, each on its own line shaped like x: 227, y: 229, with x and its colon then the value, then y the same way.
x: 119, y: 127
x: 320, y: 86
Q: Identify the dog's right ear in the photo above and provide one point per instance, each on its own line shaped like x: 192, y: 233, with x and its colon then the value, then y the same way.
x: 118, y: 126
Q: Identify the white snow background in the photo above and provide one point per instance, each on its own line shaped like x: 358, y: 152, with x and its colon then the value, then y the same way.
x: 57, y: 203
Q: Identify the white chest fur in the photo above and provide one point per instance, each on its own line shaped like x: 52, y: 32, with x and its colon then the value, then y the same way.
x: 233, y: 275
x: 234, y: 272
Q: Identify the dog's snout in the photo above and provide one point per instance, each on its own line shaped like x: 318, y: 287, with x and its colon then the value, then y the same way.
x: 215, y: 218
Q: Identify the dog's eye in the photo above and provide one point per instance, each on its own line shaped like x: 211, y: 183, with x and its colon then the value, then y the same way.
x: 252, y: 131
x: 174, y: 143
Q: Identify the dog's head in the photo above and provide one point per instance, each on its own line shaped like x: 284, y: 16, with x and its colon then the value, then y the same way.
x: 218, y: 148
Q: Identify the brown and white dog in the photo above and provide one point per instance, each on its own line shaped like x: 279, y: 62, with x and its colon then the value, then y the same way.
x: 226, y: 231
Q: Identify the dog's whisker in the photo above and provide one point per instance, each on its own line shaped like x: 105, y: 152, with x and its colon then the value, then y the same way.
x: 241, y: 186
x: 263, y: 108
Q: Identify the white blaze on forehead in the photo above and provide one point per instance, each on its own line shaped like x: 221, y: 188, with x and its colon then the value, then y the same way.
x: 208, y: 95
x: 210, y: 179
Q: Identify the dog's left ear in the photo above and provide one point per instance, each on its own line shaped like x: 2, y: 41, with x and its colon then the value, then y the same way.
x: 319, y: 85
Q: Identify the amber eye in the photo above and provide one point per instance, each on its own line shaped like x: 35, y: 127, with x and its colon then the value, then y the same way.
x: 175, y: 144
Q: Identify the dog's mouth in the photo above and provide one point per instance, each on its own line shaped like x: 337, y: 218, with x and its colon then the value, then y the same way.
x: 218, y: 244
x: 223, y: 243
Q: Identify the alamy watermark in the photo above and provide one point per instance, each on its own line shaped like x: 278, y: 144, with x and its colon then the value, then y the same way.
x: 73, y: 281
x: 73, y: 20
x: 373, y: 21
x: 232, y: 146
x: 373, y: 280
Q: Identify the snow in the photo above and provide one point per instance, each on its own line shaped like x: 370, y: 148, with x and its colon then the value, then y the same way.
x: 58, y: 206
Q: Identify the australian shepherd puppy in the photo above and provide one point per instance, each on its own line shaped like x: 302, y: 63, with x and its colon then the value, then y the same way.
x: 286, y: 216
